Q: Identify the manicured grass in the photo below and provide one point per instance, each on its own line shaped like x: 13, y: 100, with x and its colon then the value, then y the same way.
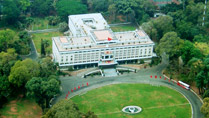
x: 156, y: 102
x: 40, y: 24
x: 121, y: 28
x: 45, y: 36
x: 21, y: 108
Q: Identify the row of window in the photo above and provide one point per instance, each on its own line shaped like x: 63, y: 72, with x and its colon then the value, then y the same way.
x: 103, y: 50
x: 119, y: 54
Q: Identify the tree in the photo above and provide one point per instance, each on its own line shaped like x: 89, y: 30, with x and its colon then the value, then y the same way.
x: 64, y: 109
x: 126, y: 7
x: 23, y: 71
x: 65, y: 8
x: 53, y: 20
x: 113, y: 11
x: 43, y: 52
x: 170, y: 44
x: 200, y: 38
x: 42, y: 7
x: 67, y: 109
x: 100, y: 5
x: 24, y: 4
x: 47, y: 67
x: 186, y: 30
x: 193, y: 12
x: 10, y: 12
x: 19, y: 76
x: 149, y: 28
x: 203, y: 47
x: 5, y: 89
x: 7, y: 60
x: 188, y: 51
x: 195, y: 66
x: 173, y: 7
x: 63, y: 27
x: 205, y: 107
x: 163, y: 24
x: 206, y: 94
x: 42, y: 90
x: 200, y: 78
x: 6, y: 39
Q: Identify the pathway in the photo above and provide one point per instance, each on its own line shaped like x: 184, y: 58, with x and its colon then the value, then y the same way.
x: 110, y: 72
x: 33, y: 54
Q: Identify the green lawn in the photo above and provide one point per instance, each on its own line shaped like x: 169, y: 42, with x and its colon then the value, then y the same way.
x: 121, y: 28
x: 21, y: 108
x: 45, y: 36
x: 40, y: 24
x: 156, y: 102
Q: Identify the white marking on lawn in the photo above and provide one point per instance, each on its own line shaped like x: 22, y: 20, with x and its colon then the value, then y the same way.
x: 167, y: 106
x: 184, y: 104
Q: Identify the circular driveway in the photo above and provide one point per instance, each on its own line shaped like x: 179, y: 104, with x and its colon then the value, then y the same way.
x: 142, y: 76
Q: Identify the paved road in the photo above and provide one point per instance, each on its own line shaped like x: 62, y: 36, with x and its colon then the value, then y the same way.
x: 33, y: 54
x: 43, y: 31
x: 142, y: 76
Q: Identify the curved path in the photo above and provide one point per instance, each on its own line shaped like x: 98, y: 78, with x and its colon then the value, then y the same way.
x: 33, y: 53
x: 142, y: 76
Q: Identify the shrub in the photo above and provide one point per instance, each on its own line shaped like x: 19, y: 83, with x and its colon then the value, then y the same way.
x: 63, y: 27
x: 141, y: 61
x: 53, y: 20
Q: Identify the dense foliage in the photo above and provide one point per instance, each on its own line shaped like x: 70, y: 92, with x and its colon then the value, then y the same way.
x: 43, y: 89
x: 66, y: 108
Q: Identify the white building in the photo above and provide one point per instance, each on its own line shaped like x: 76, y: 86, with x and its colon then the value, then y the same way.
x: 92, y: 42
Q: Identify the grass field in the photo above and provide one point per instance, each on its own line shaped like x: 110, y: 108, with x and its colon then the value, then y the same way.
x: 40, y: 24
x: 121, y: 28
x: 156, y: 102
x: 45, y: 36
x: 21, y: 108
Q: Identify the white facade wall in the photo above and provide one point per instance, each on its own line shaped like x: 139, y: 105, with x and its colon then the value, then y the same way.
x: 80, y: 57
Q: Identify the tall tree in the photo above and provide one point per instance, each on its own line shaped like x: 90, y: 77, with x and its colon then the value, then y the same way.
x: 65, y: 8
x: 200, y: 78
x: 10, y: 11
x: 6, y: 39
x: 195, y: 66
x: 149, y: 28
x: 43, y: 52
x: 24, y: 4
x: 170, y: 44
x: 100, y: 5
x: 23, y: 71
x: 186, y: 30
x: 42, y: 7
x: 47, y: 67
x: 126, y: 7
x: 188, y: 51
x: 163, y: 24
x: 42, y: 90
x: 7, y: 60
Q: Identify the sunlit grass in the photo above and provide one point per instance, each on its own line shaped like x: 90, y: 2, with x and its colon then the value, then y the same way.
x: 156, y: 102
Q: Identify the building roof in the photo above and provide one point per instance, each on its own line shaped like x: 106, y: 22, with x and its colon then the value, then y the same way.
x: 98, y: 35
x: 102, y: 35
x: 88, y: 22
